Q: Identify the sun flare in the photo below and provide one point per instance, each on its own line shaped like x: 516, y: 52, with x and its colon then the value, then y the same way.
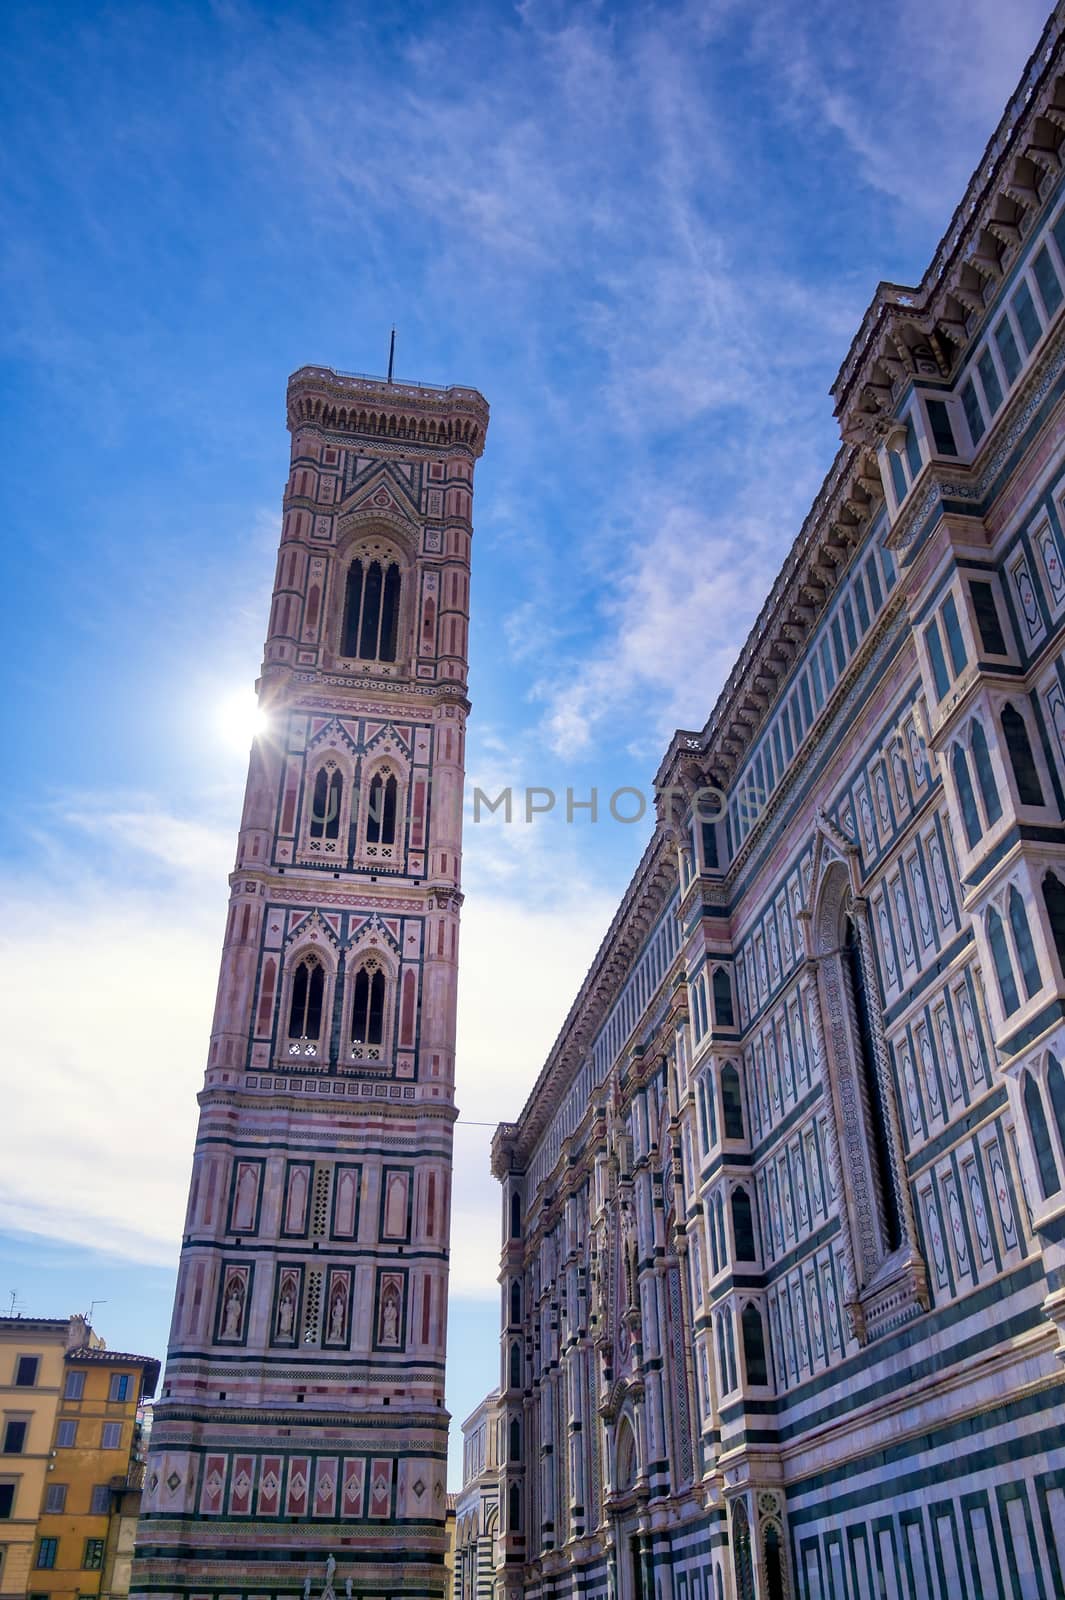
x: 239, y: 718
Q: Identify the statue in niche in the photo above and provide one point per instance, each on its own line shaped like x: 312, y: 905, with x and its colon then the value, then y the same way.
x: 286, y: 1310
x: 247, y: 1190
x: 337, y: 1314
x: 390, y: 1317
x: 234, y: 1308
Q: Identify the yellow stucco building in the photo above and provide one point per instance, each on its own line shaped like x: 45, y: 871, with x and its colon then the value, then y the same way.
x: 70, y: 1475
x: 93, y: 1470
x: 32, y: 1372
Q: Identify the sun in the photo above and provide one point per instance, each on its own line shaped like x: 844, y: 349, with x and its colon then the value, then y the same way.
x: 239, y: 719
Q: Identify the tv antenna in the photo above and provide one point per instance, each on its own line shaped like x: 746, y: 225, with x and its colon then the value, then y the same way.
x: 92, y: 1307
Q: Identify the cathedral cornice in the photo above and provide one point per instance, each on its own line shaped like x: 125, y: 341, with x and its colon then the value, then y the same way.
x: 926, y: 330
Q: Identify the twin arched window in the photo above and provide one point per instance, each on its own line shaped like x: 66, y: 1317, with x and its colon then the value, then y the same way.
x: 305, y: 1005
x: 325, y: 804
x: 368, y: 1007
x: 371, y: 611
x: 381, y: 809
x: 1000, y: 952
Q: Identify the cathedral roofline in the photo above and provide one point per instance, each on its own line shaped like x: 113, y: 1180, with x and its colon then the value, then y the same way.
x: 944, y: 312
x: 906, y: 334
x: 648, y: 891
x: 419, y: 413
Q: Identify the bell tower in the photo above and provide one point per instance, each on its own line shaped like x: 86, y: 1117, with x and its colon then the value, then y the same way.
x: 301, y: 1429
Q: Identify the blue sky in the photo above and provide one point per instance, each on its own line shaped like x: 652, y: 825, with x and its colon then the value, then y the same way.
x: 647, y: 233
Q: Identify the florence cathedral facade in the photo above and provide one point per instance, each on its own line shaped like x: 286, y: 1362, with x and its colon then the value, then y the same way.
x: 783, y: 1260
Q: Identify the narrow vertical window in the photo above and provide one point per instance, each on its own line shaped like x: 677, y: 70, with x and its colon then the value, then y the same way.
x: 955, y: 642
x: 1047, y: 280
x: 352, y: 611
x: 515, y: 1215
x: 515, y: 1301
x: 515, y: 1364
x: 1027, y: 317
x: 1000, y: 955
x: 731, y: 1102
x: 966, y: 797
x: 934, y: 646
x: 754, y: 1362
x: 1056, y: 1089
x: 880, y: 1141
x: 985, y: 776
x: 1022, y: 938
x: 723, y: 1013
x: 1025, y: 773
x: 973, y: 414
x: 1054, y: 901
x: 1046, y: 1165
x: 390, y: 614
x: 371, y: 613
x: 942, y: 432
x: 985, y: 366
x: 743, y: 1226
x: 987, y: 620
x: 1009, y: 355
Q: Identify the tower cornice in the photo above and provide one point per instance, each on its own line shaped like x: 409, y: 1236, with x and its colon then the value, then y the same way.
x: 351, y: 403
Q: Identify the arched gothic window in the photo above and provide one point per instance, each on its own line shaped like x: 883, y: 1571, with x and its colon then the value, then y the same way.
x: 305, y: 1006
x: 1022, y: 938
x: 515, y: 1364
x: 1000, y: 955
x: 723, y: 1014
x: 743, y: 1226
x: 774, y: 1563
x: 722, y: 1359
x: 1054, y: 901
x: 874, y: 1095
x: 741, y: 1545
x: 985, y: 775
x: 626, y: 1463
x: 966, y: 797
x: 368, y: 1006
x: 515, y: 1301
x: 1025, y: 772
x: 515, y: 1439
x: 1056, y: 1088
x: 513, y: 1508
x: 515, y: 1215
x: 731, y: 1101
x: 325, y: 804
x: 1046, y: 1164
x: 381, y: 809
x: 371, y: 611
x: 754, y: 1361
